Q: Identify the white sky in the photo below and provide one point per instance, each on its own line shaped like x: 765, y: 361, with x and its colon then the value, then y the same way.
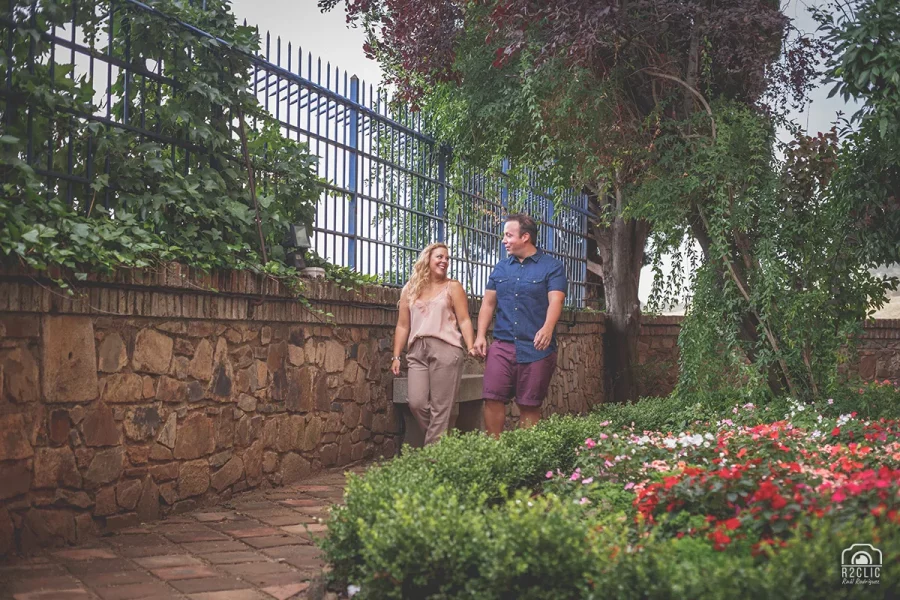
x: 327, y: 36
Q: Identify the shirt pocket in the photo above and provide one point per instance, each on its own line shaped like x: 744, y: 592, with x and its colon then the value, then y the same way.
x: 534, y: 287
x: 501, y: 284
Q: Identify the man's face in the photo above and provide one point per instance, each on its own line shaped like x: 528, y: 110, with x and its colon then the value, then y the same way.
x: 515, y: 243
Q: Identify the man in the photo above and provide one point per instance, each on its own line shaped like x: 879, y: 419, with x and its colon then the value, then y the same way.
x: 527, y: 289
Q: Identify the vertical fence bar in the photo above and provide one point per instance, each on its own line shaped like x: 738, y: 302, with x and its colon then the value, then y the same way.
x: 549, y: 244
x: 504, y: 198
x: 353, y: 160
x: 441, y: 192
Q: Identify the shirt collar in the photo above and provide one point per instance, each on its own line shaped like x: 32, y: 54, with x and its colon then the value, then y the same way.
x: 536, y: 257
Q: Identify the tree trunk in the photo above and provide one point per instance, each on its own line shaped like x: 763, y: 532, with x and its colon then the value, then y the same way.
x: 620, y: 244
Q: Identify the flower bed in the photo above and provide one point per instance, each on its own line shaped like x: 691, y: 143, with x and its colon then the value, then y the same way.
x: 742, y: 484
x: 661, y: 499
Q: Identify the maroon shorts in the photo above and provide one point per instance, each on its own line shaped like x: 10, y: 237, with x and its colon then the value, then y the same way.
x: 505, y: 379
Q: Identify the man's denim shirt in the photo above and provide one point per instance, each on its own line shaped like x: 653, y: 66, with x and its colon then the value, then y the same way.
x: 522, y: 301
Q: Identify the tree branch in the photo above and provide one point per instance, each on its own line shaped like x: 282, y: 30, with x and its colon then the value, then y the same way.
x: 693, y: 91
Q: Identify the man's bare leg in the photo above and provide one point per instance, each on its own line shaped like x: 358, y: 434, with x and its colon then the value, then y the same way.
x: 529, y: 416
x: 494, y: 416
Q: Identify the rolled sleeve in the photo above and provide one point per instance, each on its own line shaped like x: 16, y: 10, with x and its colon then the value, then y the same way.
x: 556, y: 280
x: 497, y: 272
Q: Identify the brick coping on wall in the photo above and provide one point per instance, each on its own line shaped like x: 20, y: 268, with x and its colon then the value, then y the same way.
x: 229, y: 295
x: 873, y: 329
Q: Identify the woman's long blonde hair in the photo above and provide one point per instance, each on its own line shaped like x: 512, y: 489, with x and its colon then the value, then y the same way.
x: 421, y: 273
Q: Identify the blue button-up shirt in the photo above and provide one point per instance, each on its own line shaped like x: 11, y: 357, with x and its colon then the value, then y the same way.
x: 522, y: 301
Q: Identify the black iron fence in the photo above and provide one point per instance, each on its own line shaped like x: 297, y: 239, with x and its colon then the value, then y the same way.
x: 389, y: 188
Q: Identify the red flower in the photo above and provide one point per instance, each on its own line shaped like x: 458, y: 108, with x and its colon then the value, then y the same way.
x: 720, y: 539
x: 732, y: 524
x: 836, y: 431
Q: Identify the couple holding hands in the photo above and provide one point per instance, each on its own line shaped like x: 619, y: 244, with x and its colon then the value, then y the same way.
x: 526, y: 289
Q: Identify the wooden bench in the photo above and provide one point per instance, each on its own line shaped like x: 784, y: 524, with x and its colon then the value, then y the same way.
x: 466, y: 415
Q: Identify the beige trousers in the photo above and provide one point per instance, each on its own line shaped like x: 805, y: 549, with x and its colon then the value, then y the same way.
x: 435, y: 370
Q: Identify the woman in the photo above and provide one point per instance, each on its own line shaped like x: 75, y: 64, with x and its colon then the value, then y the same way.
x: 434, y: 320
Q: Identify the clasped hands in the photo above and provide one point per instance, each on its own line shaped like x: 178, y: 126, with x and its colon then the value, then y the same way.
x: 542, y: 341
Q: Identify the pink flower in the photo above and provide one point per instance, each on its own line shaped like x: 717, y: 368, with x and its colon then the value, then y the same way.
x: 549, y: 474
x: 590, y: 443
x: 629, y: 485
x: 604, y: 423
x: 575, y: 475
x: 583, y: 500
x: 830, y: 401
x: 603, y: 436
x: 608, y: 464
x: 587, y: 480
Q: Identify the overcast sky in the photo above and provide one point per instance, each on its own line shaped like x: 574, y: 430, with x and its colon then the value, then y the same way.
x: 327, y: 36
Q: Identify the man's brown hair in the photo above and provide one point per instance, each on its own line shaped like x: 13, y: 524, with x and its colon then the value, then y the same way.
x: 526, y: 225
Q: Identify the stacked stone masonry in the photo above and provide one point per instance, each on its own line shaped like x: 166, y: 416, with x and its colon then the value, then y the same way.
x: 155, y: 392
x: 877, y: 358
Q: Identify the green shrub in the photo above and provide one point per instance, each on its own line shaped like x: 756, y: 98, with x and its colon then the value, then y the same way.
x: 459, y: 519
x: 808, y: 567
x: 478, y: 469
x: 538, y: 548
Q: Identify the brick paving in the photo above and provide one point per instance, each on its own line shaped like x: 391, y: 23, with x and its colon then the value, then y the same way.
x: 257, y: 546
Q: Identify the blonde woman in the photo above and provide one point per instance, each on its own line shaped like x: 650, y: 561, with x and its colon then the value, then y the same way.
x: 434, y: 321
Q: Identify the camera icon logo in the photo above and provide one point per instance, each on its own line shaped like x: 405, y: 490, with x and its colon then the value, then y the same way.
x: 861, y: 565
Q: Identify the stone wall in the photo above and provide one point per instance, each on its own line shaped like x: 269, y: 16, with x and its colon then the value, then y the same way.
x: 878, y: 353
x: 657, y: 371
x: 154, y: 392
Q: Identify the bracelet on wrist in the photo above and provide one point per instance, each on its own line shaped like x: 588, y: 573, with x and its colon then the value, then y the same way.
x: 393, y: 358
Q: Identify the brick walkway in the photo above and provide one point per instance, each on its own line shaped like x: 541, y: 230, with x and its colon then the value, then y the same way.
x: 256, y: 546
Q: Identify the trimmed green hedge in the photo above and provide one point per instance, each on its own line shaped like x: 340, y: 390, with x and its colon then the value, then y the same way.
x: 460, y: 519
